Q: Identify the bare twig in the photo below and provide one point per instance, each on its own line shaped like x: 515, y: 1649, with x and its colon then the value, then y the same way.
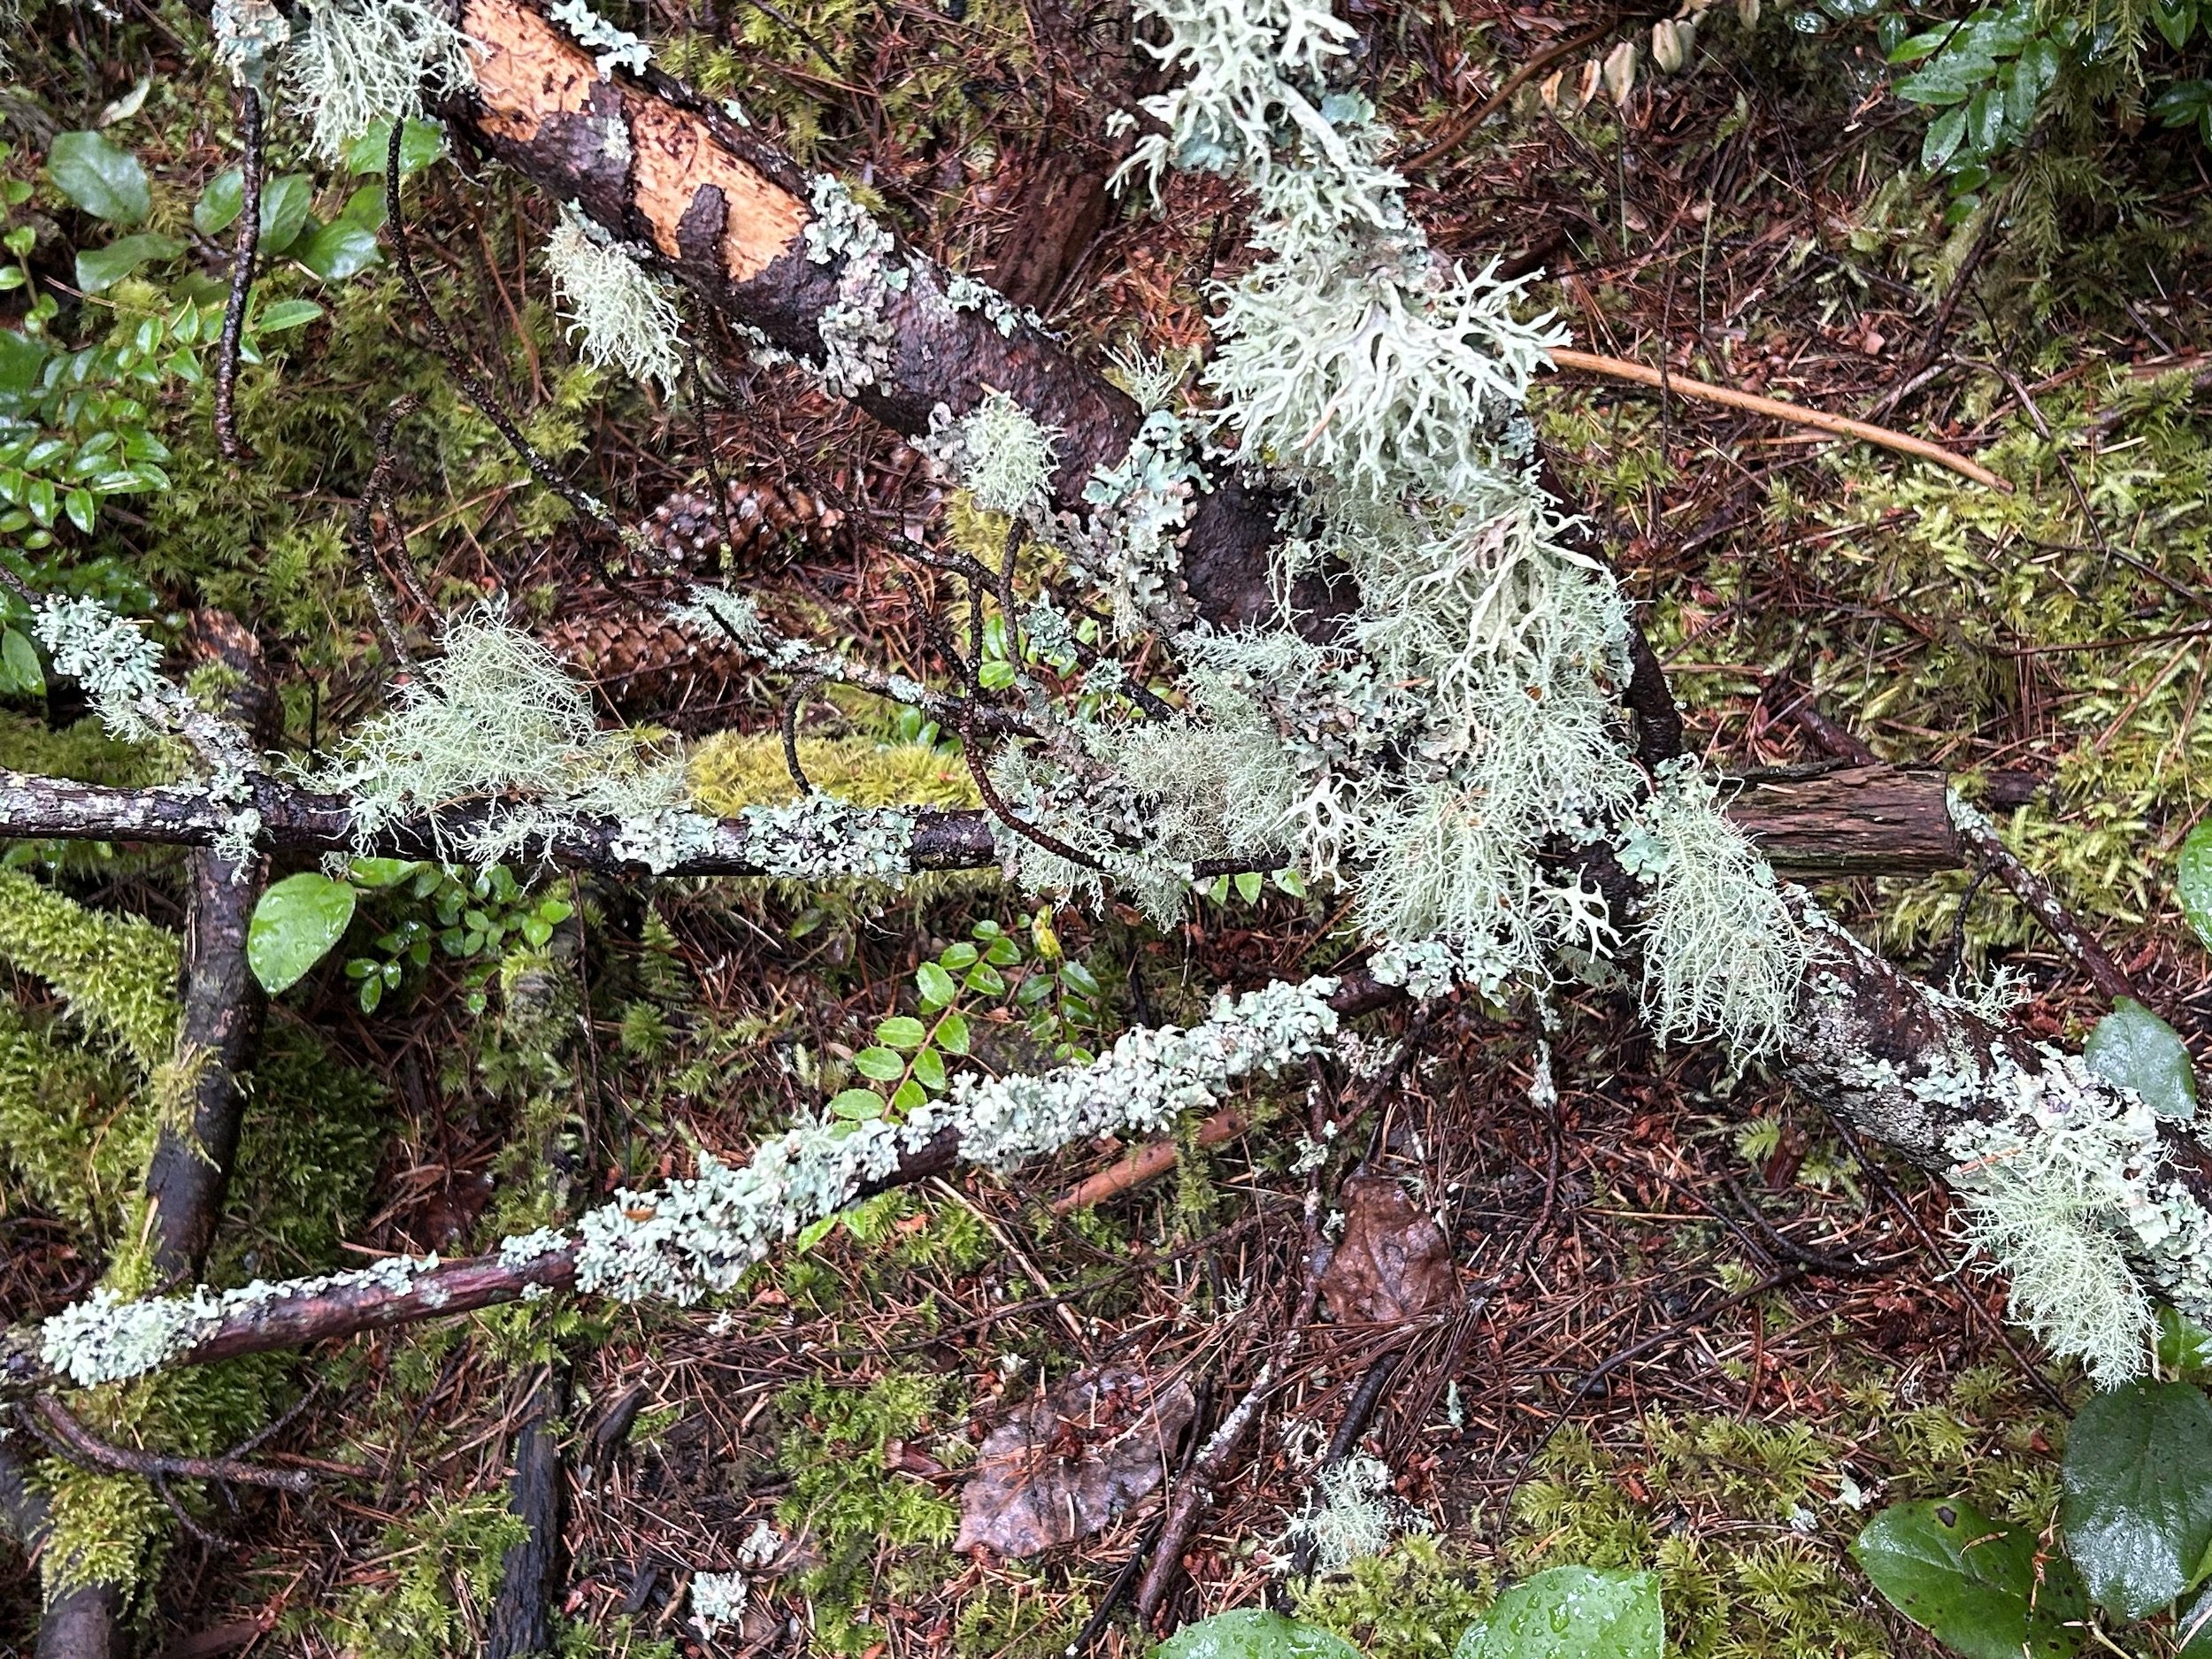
x: 70, y: 1439
x: 227, y: 438
x: 1817, y: 420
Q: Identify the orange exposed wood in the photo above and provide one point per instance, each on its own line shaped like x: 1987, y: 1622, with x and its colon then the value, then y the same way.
x: 527, y: 71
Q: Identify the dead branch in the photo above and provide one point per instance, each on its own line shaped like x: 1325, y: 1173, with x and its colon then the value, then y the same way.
x: 70, y: 1439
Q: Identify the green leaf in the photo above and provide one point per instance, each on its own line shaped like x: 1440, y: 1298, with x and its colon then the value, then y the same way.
x: 21, y: 360
x: 421, y: 144
x: 1291, y: 882
x: 937, y: 987
x: 952, y: 1034
x: 1971, y: 1582
x: 815, y: 1232
x: 907, y: 1097
x: 1248, y: 884
x: 2185, y: 1351
x: 1004, y: 952
x: 2194, y: 885
x: 2133, y: 1048
x: 859, y: 1104
x: 929, y: 1071
x: 1946, y: 134
x: 986, y: 980
x: 901, y: 1031
x: 996, y: 674
x: 338, y: 250
x: 20, y: 675
x: 882, y: 1064
x: 100, y: 269
x: 220, y: 203
x: 79, y: 504
x: 2177, y: 22
x: 107, y: 183
x: 1571, y: 1613
x: 2194, y: 1629
x: 1075, y: 974
x: 1254, y: 1633
x: 2138, y: 1509
x: 287, y: 314
x: 294, y: 926
x: 377, y: 873
x: 958, y: 957
x: 284, y: 204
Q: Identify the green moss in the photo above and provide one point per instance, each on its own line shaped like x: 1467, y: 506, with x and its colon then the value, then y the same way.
x: 1023, y: 1620
x: 861, y: 1515
x: 1413, y: 1602
x: 71, y: 1138
x: 435, y: 1577
x: 117, y: 973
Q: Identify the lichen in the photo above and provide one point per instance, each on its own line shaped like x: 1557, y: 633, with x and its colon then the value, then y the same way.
x: 621, y: 314
x: 364, y: 61
x: 497, y: 727
x: 613, y: 48
x: 1351, y: 1513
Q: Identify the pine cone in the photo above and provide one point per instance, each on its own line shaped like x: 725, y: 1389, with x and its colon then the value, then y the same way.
x: 687, y: 531
x: 646, y: 664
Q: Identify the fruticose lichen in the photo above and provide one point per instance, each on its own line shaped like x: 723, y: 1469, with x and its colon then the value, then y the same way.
x: 364, y: 61
x: 496, y: 726
x: 621, y: 314
x: 2069, y: 1192
x: 1352, y: 1513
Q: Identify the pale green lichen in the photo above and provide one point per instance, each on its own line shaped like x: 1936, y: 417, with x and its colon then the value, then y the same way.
x: 497, y: 728
x: 613, y: 48
x: 361, y: 62
x: 1352, y: 1513
x: 619, y: 313
x: 1004, y: 457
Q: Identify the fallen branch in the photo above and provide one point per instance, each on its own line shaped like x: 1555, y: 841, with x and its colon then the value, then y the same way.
x: 71, y: 1439
x: 1773, y: 408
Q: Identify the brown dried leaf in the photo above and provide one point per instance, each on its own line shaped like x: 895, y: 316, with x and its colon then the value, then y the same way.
x: 1067, y: 1465
x: 1394, y: 1261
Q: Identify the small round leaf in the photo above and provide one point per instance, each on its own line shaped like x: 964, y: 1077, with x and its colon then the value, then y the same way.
x: 294, y: 926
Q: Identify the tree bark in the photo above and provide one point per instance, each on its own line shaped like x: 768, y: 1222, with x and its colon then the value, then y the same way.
x: 532, y: 1574
x: 219, y: 1029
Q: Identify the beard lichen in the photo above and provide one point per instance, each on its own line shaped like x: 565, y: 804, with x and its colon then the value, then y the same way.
x: 360, y: 62
x: 617, y: 311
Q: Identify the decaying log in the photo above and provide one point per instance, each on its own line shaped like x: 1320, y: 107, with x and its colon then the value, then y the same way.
x: 1854, y: 820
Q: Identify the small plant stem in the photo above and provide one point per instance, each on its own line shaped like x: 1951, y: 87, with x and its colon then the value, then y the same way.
x: 227, y: 438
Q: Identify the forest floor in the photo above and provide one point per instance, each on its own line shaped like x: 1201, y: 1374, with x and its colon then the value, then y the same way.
x: 1693, y: 1325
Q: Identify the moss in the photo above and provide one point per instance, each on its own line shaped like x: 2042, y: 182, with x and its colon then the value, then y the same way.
x: 735, y: 770
x: 1412, y: 1602
x: 117, y: 973
x: 860, y: 1513
x: 70, y: 1135
x: 1021, y: 1620
x: 84, y: 751
x: 433, y: 1580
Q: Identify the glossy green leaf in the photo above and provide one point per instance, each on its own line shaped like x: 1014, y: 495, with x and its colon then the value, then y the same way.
x: 284, y: 204
x: 1248, y: 883
x: 815, y: 1232
x: 100, y: 269
x: 382, y: 872
x: 2194, y: 885
x: 294, y: 926
x: 2184, y: 1349
x: 907, y: 1096
x: 1945, y: 132
x: 365, y: 207
x: 883, y: 1065
x: 929, y: 1071
x: 2132, y: 1048
x: 937, y: 987
x: 996, y: 674
x: 1254, y: 1633
x: 338, y: 250
x: 1571, y: 1613
x: 1971, y: 1582
x: 422, y: 144
x: 81, y: 509
x: 2137, y: 1509
x: 106, y: 181
x: 902, y: 1031
x: 287, y: 314
x: 952, y: 1034
x: 985, y: 978
x: 220, y: 203
x: 2193, y: 1629
x: 21, y: 360
x: 859, y: 1104
x: 20, y: 675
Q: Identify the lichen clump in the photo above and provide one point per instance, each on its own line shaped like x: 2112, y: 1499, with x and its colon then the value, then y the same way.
x: 496, y: 727
x: 360, y: 62
x: 618, y: 312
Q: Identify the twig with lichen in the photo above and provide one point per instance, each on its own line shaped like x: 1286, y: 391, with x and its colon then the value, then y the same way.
x: 227, y: 438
